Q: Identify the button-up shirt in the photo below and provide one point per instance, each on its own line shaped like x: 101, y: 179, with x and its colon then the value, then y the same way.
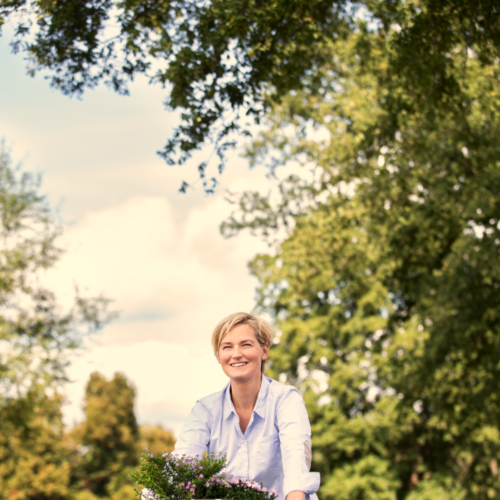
x: 275, y: 448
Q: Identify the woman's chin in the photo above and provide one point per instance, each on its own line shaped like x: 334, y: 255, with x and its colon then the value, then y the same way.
x: 240, y: 375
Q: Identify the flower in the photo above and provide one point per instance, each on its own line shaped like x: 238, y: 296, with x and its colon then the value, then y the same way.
x: 181, y: 477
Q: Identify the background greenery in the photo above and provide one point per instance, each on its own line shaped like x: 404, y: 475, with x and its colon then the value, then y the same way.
x: 42, y: 459
x: 386, y: 287
x: 383, y: 276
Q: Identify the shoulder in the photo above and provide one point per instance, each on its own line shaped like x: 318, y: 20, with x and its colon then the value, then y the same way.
x: 211, y: 401
x: 281, y: 391
x: 288, y: 406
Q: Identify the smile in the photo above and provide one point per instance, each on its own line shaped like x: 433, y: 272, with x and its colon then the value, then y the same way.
x: 238, y: 364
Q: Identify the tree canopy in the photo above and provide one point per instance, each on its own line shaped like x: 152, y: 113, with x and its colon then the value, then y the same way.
x: 35, y: 335
x: 109, y: 441
x: 109, y: 433
x: 386, y: 289
x: 222, y: 60
x: 34, y: 448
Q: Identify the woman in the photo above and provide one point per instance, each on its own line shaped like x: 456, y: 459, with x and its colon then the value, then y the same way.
x: 261, y: 425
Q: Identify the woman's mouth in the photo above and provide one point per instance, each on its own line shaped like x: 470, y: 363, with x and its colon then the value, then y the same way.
x: 236, y: 365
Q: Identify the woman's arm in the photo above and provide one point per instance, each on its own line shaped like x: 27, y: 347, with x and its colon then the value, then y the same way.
x: 295, y: 442
x: 296, y: 495
x: 195, y: 435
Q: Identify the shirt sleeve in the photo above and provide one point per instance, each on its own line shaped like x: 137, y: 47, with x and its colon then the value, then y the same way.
x: 195, y: 435
x: 295, y: 439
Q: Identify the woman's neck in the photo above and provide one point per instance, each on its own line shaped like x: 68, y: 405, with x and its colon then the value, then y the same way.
x: 245, y: 393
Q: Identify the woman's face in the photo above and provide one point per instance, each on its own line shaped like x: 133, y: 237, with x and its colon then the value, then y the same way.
x: 240, y: 354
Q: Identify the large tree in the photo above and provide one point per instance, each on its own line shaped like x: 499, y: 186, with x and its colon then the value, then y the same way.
x: 36, y: 335
x: 386, y: 289
x: 223, y: 59
x: 108, y: 437
x: 109, y: 441
x: 33, y: 448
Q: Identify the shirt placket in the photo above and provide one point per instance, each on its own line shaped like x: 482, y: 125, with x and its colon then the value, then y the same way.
x: 244, y: 448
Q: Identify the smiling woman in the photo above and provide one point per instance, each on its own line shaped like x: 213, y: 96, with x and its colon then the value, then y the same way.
x: 261, y: 425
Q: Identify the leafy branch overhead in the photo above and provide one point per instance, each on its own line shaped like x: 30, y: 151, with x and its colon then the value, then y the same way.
x: 222, y: 60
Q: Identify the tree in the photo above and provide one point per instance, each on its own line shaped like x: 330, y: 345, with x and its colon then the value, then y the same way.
x: 110, y: 441
x: 35, y: 339
x: 36, y: 336
x: 108, y: 437
x: 33, y: 448
x: 224, y: 59
x: 385, y: 290
x: 156, y: 439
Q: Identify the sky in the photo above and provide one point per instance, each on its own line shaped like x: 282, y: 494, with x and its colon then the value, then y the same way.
x: 130, y: 235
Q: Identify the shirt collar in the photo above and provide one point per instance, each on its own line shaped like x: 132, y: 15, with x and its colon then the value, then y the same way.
x: 260, y: 405
x: 228, y: 404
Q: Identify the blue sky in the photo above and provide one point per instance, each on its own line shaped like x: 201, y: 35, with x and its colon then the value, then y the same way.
x: 130, y: 235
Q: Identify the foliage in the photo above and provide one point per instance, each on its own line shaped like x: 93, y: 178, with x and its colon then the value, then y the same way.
x: 33, y: 448
x: 172, y: 476
x: 386, y: 289
x: 35, y: 337
x: 157, y: 439
x: 108, y: 436
x: 223, y: 59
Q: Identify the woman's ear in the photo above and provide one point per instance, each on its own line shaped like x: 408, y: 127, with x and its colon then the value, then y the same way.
x: 265, y: 354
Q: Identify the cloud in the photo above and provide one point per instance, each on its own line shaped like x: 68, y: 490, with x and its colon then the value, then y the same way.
x: 169, y: 379
x: 172, y: 281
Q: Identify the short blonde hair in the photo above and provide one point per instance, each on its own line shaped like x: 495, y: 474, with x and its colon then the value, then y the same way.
x: 263, y: 330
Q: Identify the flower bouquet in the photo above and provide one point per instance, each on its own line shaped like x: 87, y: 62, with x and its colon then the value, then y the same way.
x: 182, y: 477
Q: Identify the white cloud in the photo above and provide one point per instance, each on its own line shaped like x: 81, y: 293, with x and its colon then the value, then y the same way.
x: 172, y: 281
x: 169, y: 378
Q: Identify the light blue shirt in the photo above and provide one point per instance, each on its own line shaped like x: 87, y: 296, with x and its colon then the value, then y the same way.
x: 274, y: 449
